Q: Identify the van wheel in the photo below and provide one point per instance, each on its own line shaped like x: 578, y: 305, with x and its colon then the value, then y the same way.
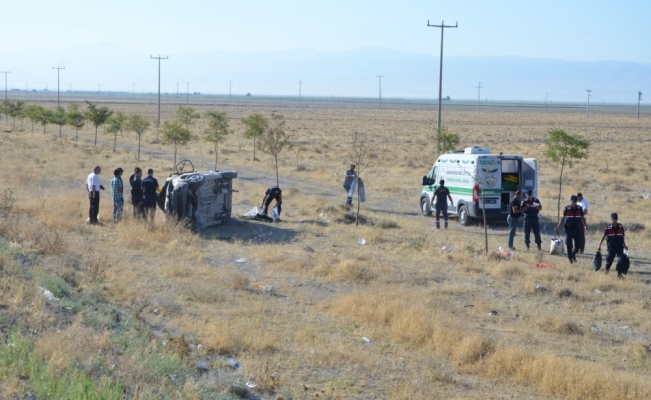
x: 464, y: 219
x: 424, y: 207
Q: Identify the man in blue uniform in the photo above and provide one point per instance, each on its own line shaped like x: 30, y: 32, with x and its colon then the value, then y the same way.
x: 616, y: 241
x: 574, y: 222
x: 531, y: 207
x: 440, y: 203
x: 150, y: 193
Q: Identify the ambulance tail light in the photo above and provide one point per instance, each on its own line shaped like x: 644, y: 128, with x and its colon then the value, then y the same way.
x: 475, y: 194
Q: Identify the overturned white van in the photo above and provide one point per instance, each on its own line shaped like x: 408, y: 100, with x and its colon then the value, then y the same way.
x: 475, y: 171
x: 202, y: 199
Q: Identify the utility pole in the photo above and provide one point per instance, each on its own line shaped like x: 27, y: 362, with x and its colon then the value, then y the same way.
x: 177, y: 90
x: 230, y: 90
x: 300, y: 83
x: 58, y: 83
x: 187, y: 93
x: 546, y: 101
x: 159, y: 58
x: 99, y: 89
x: 639, y: 98
x: 133, y: 90
x: 587, y: 112
x: 6, y: 72
x: 380, y: 89
x: 478, y: 92
x: 442, y: 26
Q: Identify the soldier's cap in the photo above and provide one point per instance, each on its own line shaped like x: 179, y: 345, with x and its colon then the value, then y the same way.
x: 613, y: 216
x: 574, y: 198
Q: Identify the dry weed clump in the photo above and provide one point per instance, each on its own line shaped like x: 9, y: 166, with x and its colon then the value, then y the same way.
x: 75, y: 344
x: 561, y: 376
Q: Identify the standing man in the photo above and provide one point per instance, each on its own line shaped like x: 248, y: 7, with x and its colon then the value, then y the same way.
x: 441, y: 196
x: 349, y: 177
x: 574, y: 223
x: 93, y: 185
x: 136, y: 192
x: 150, y: 193
x: 616, y: 241
x: 272, y: 193
x: 583, y: 202
x: 515, y: 212
x: 117, y: 192
x: 531, y: 207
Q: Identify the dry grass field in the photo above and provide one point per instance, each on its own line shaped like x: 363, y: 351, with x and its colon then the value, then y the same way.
x: 141, y: 305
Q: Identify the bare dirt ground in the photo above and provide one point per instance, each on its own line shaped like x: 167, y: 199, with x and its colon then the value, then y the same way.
x: 444, y: 319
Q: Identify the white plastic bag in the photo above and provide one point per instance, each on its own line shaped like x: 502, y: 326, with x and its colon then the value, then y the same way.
x: 252, y: 213
x: 275, y: 214
x: 557, y: 247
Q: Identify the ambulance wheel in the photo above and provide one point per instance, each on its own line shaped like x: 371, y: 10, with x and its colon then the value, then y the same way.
x: 424, y: 207
x: 464, y: 219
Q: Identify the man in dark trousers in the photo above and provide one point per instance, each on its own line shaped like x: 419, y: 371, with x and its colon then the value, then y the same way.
x: 149, y: 195
x: 440, y: 202
x: 515, y: 212
x: 574, y: 222
x: 136, y: 192
x: 616, y: 241
x: 273, y: 193
x: 93, y: 185
x: 531, y: 207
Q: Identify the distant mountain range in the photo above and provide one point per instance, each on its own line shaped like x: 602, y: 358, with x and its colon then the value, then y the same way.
x: 340, y: 74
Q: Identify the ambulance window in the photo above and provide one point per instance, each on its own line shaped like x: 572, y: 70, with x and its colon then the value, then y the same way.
x: 433, y: 172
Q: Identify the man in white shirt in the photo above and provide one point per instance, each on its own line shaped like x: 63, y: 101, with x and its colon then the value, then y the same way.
x: 585, y: 205
x: 93, y: 185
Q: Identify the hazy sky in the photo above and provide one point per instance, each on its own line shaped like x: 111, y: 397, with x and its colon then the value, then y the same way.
x: 578, y: 30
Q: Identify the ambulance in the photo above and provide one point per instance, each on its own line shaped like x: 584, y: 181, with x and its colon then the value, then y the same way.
x: 473, y: 172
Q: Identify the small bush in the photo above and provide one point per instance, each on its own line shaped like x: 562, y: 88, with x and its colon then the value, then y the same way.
x: 56, y: 285
x: 387, y: 224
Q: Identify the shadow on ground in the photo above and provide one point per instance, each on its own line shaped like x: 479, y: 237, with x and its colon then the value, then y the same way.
x: 255, y: 232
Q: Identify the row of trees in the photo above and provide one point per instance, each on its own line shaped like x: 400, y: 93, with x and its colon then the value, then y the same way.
x: 268, y: 135
x: 76, y: 118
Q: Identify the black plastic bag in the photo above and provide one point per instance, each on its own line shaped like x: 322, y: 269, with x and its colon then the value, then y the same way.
x: 596, y: 261
x: 623, y: 265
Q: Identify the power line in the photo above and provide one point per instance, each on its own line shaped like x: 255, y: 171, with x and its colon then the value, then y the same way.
x: 478, y: 95
x: 159, y: 58
x: 380, y: 89
x: 442, y: 26
x: 6, y: 72
x: 58, y: 83
x: 587, y: 113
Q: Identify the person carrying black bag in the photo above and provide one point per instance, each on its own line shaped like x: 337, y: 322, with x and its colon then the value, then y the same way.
x: 616, y: 241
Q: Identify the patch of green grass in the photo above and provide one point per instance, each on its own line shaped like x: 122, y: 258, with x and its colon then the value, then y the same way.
x: 18, y: 360
x: 56, y: 285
